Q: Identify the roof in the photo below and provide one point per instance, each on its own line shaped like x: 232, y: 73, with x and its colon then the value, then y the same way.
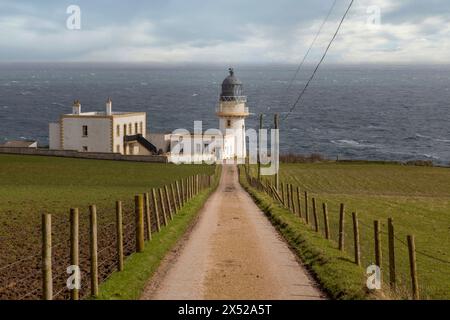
x: 18, y: 143
x: 101, y: 114
x: 231, y: 87
x: 231, y: 80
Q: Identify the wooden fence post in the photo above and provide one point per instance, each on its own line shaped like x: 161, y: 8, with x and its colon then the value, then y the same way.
x: 169, y: 205
x: 299, y: 202
x: 74, y: 250
x: 176, y: 205
x: 306, y: 208
x: 282, y: 195
x: 156, y: 210
x: 139, y: 212
x: 288, y: 197
x: 183, y: 193
x: 148, y: 215
x: 47, y: 277
x: 292, y: 199
x: 193, y: 186
x: 392, y: 278
x: 413, y: 267
x: 357, y: 247
x: 316, y: 218
x: 177, y: 187
x: 197, y: 184
x: 119, y: 230
x: 94, y: 250
x: 325, y: 221
x: 162, y: 205
x: 276, y: 127
x: 258, y: 155
x: 377, y: 238
x: 341, y: 227
x: 188, y: 188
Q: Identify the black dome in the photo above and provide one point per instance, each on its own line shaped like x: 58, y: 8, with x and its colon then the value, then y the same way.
x: 231, y: 87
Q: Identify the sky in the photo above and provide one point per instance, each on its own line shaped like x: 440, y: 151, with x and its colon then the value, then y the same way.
x: 225, y: 31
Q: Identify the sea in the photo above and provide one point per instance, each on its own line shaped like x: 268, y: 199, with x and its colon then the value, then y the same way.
x: 370, y: 112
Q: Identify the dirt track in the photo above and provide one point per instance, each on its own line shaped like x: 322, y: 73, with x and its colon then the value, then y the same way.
x: 232, y: 252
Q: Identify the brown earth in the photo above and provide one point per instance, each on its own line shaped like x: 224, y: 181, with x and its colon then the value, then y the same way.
x: 232, y: 252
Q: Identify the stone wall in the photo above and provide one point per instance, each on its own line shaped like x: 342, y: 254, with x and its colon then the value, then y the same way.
x: 82, y: 155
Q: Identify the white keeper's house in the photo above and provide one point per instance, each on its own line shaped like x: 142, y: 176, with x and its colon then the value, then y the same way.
x: 126, y: 132
x: 108, y: 131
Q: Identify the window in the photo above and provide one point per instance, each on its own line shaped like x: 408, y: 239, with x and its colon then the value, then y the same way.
x: 136, y: 131
x: 118, y: 130
x: 228, y: 123
x: 130, y: 129
x: 124, y: 129
x: 85, y: 149
x: 85, y: 131
x: 141, y: 129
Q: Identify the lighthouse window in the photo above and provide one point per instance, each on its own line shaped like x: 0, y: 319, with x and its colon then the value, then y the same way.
x: 141, y: 128
x: 124, y: 129
x: 228, y: 123
x: 130, y: 129
x: 136, y: 128
x: 118, y: 130
x: 85, y: 131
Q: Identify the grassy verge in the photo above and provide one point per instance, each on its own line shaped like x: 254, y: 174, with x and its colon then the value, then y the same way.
x: 334, y: 270
x: 416, y: 198
x: 139, y: 267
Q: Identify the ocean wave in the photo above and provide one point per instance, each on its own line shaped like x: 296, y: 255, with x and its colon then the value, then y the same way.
x: 431, y: 156
x: 353, y: 143
x: 418, y: 135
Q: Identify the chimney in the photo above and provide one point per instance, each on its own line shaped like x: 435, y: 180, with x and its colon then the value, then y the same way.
x: 76, y: 108
x: 109, y: 107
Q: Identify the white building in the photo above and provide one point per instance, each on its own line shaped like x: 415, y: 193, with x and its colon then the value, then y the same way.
x: 227, y: 143
x: 126, y: 133
x: 108, y: 131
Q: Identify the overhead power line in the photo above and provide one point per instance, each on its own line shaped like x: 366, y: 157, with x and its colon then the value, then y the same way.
x: 311, y: 46
x: 320, y: 61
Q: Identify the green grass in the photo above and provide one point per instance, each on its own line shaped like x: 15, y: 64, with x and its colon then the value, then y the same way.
x: 139, y: 267
x: 333, y: 269
x: 417, y: 198
x: 32, y: 185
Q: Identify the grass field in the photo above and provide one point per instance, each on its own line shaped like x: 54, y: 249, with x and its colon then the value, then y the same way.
x: 31, y: 185
x: 417, y: 198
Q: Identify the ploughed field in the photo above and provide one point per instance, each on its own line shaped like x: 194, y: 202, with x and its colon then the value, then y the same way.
x: 30, y: 186
x: 417, y: 198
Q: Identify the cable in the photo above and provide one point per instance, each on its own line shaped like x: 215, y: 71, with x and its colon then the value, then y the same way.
x: 311, y: 46
x: 320, y: 61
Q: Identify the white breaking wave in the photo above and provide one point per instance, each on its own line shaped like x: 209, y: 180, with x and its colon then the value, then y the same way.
x: 353, y: 143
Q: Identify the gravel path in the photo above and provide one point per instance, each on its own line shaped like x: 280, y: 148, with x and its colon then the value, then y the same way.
x: 232, y: 252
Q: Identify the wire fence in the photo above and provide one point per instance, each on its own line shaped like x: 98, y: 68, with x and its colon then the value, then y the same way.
x: 402, y: 264
x: 72, y: 238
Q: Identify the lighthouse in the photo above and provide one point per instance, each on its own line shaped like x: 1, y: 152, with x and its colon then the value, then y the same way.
x: 232, y: 111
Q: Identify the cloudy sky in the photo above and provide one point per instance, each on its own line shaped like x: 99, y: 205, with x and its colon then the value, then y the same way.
x: 231, y: 31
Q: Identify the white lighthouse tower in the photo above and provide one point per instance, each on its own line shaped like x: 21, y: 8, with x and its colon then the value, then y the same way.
x: 232, y: 111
